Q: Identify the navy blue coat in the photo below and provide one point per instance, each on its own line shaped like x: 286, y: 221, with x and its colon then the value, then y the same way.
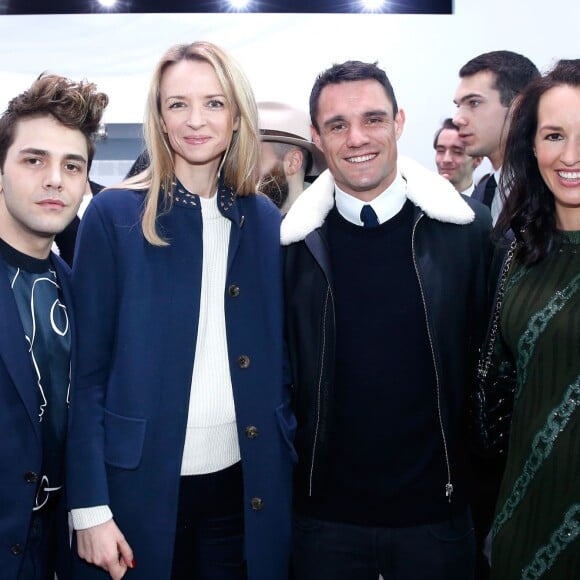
x: 138, y: 308
x: 21, y: 446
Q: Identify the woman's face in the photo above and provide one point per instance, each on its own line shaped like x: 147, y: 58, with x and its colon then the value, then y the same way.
x: 198, y: 122
x: 557, y: 148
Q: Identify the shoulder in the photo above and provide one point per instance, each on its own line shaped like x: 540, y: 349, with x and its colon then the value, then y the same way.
x: 118, y: 197
x: 259, y: 203
x: 118, y: 205
x: 62, y: 268
x: 261, y: 208
x: 481, y: 211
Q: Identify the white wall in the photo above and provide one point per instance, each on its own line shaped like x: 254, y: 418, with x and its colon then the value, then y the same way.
x: 283, y: 53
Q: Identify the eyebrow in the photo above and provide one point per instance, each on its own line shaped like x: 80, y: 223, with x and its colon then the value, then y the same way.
x: 45, y: 153
x: 550, y: 128
x: 183, y: 97
x: 366, y: 114
x: 467, y: 97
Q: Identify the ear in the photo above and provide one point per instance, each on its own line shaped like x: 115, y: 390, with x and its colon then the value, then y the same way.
x: 163, y: 127
x: 236, y: 124
x: 399, y: 123
x: 293, y: 161
x: 476, y: 162
x: 316, y: 138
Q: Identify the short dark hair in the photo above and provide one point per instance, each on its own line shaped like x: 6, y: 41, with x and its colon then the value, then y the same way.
x: 447, y: 124
x: 349, y: 71
x: 529, y: 209
x: 74, y: 105
x: 512, y: 71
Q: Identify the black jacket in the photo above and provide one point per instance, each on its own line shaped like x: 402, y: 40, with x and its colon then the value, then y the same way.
x: 451, y: 249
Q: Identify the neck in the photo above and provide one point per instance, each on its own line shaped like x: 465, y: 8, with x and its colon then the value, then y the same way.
x: 568, y: 220
x: 463, y: 185
x: 29, y: 243
x: 199, y: 179
x: 295, y: 188
x: 38, y: 248
x: 496, y: 159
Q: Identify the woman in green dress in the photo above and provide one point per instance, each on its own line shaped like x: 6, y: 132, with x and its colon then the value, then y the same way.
x: 536, y: 532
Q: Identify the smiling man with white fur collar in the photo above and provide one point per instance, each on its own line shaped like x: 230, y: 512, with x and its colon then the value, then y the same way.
x: 385, y: 277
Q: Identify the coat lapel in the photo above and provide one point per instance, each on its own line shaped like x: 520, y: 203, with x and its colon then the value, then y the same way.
x: 14, y: 350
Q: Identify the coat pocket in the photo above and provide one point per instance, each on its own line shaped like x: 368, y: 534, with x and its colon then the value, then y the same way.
x: 124, y: 438
x: 287, y: 424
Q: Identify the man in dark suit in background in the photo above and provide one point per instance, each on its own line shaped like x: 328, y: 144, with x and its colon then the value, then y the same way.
x: 489, y: 86
x: 46, y: 150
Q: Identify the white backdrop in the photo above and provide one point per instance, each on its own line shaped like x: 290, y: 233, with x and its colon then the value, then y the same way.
x: 282, y: 54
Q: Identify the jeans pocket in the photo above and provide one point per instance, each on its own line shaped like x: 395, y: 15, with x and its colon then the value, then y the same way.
x: 455, y: 529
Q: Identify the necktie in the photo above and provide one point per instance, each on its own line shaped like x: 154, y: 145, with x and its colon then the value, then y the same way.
x: 368, y: 217
x: 489, y: 191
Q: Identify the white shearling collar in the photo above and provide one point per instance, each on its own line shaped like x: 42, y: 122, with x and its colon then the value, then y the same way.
x: 426, y: 189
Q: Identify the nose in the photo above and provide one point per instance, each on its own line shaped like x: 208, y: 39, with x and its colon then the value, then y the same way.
x: 53, y: 177
x: 447, y: 156
x: 357, y: 135
x: 196, y: 117
x: 459, y: 119
x: 571, y: 152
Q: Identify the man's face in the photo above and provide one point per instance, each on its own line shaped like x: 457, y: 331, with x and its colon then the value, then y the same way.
x: 273, y: 180
x: 358, y: 136
x: 452, y: 161
x: 41, y: 184
x: 481, y: 117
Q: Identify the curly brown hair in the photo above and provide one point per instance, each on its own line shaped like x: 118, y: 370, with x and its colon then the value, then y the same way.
x: 77, y: 105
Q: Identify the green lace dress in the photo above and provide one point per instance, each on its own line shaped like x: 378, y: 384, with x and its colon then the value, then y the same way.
x: 536, y: 532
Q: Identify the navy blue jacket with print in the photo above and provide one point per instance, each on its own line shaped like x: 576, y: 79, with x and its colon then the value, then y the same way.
x: 21, y: 448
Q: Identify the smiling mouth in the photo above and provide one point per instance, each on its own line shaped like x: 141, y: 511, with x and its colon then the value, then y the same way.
x: 197, y: 140
x: 572, y: 175
x: 361, y: 158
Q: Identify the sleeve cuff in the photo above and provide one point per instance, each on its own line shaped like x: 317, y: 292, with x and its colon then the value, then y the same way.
x: 83, y: 518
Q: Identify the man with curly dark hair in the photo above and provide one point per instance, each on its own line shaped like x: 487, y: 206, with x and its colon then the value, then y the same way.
x: 46, y: 149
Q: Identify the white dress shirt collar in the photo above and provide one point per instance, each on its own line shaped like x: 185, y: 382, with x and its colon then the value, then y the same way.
x: 387, y: 205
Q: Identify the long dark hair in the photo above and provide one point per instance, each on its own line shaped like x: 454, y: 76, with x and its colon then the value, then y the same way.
x: 529, y: 210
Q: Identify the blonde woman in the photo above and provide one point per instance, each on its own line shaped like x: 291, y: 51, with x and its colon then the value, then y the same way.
x: 181, y: 455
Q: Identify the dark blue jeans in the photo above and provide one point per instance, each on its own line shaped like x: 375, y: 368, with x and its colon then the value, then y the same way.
x: 209, y: 540
x: 324, y: 550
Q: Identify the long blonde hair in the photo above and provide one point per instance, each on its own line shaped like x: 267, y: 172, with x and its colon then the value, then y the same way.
x: 240, y: 163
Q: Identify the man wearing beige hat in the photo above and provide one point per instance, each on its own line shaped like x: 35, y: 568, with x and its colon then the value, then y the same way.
x: 287, y: 154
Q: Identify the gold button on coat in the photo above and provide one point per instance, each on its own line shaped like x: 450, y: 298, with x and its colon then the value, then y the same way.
x: 252, y: 432
x: 257, y: 503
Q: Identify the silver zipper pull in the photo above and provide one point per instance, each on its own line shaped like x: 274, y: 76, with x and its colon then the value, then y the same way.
x: 448, y: 490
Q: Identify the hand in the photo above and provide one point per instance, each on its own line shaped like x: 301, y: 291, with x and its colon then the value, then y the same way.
x: 105, y: 546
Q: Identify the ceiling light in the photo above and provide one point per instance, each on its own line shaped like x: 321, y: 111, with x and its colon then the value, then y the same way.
x: 239, y: 4
x: 373, y: 5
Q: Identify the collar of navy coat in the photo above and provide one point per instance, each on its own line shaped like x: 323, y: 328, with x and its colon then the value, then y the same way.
x: 433, y: 194
x: 226, y: 198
